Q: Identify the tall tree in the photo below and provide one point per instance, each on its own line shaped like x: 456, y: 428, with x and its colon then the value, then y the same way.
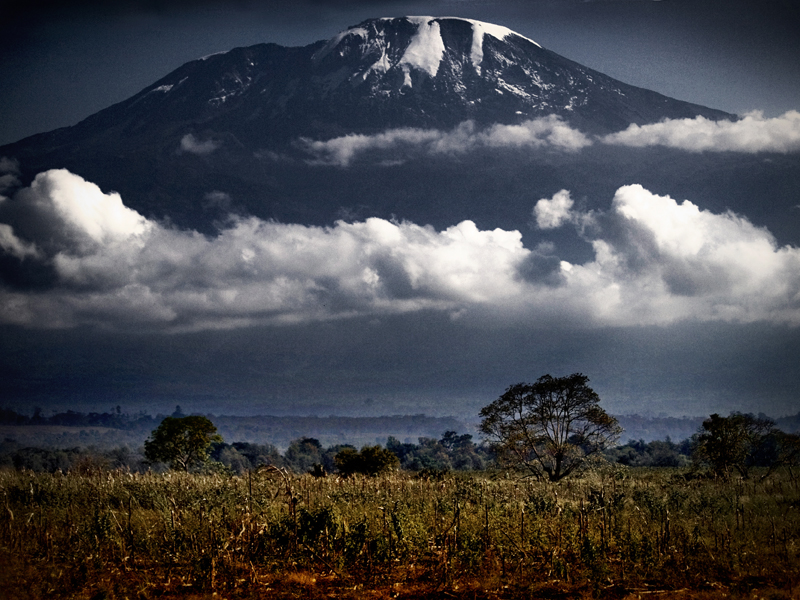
x: 181, y: 442
x: 549, y: 428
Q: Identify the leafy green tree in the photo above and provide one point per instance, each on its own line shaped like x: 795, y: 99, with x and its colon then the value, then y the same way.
x: 463, y: 452
x: 182, y: 442
x: 658, y: 453
x: 303, y: 454
x: 371, y: 460
x: 738, y: 442
x: 549, y: 428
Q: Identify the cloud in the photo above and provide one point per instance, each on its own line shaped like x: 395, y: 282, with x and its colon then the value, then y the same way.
x: 553, y: 213
x: 192, y: 145
x: 115, y: 267
x: 546, y: 132
x: 655, y: 262
x: 342, y: 151
x: 9, y: 165
x: 753, y: 133
x: 88, y: 215
x: 9, y: 171
x: 14, y: 246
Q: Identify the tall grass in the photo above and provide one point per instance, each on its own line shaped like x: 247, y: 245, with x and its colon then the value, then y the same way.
x: 614, y: 533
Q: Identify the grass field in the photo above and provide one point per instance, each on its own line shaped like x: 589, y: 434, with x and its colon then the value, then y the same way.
x: 615, y: 533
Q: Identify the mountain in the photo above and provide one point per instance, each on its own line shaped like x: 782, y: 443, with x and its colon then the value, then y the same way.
x: 230, y: 133
x: 382, y: 73
x: 244, y: 106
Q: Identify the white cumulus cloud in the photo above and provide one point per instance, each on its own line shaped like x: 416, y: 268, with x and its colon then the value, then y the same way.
x: 82, y: 210
x: 668, y: 262
x: 135, y: 270
x: 752, y: 133
x: 554, y: 212
x: 656, y: 261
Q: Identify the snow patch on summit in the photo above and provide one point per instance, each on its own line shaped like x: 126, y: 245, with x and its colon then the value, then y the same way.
x: 481, y: 29
x: 426, y: 49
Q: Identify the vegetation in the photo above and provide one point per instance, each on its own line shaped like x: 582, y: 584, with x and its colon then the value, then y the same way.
x: 112, y: 429
x: 432, y: 456
x: 550, y: 427
x: 426, y: 520
x: 70, y: 418
x: 741, y: 441
x: 614, y: 533
x: 658, y: 453
x: 181, y: 442
x: 371, y: 460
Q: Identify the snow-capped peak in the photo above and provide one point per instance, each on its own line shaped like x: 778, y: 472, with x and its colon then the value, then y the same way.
x: 426, y: 47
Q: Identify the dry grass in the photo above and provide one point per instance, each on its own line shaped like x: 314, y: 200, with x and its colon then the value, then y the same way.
x: 615, y: 534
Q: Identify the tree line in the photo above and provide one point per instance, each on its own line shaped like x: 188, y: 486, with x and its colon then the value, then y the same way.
x: 116, y: 419
x: 430, y: 456
x: 547, y: 430
x: 706, y: 452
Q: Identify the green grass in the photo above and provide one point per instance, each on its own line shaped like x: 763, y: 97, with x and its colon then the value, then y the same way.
x: 611, y: 534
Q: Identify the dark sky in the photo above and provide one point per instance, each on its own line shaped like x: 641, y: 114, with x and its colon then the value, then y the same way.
x: 693, y: 333
x: 62, y: 61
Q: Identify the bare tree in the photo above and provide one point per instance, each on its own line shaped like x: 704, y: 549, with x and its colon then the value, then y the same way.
x: 549, y: 428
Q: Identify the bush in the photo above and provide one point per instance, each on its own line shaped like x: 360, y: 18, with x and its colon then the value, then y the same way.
x: 372, y: 460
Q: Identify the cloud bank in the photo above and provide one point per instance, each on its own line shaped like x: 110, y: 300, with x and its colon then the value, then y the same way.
x: 545, y: 132
x: 655, y: 262
x: 751, y: 134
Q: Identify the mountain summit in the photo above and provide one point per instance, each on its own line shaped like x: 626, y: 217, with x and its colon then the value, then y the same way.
x: 209, y: 125
x: 441, y: 71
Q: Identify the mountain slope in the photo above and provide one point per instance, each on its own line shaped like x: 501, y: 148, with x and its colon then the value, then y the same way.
x: 217, y: 124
